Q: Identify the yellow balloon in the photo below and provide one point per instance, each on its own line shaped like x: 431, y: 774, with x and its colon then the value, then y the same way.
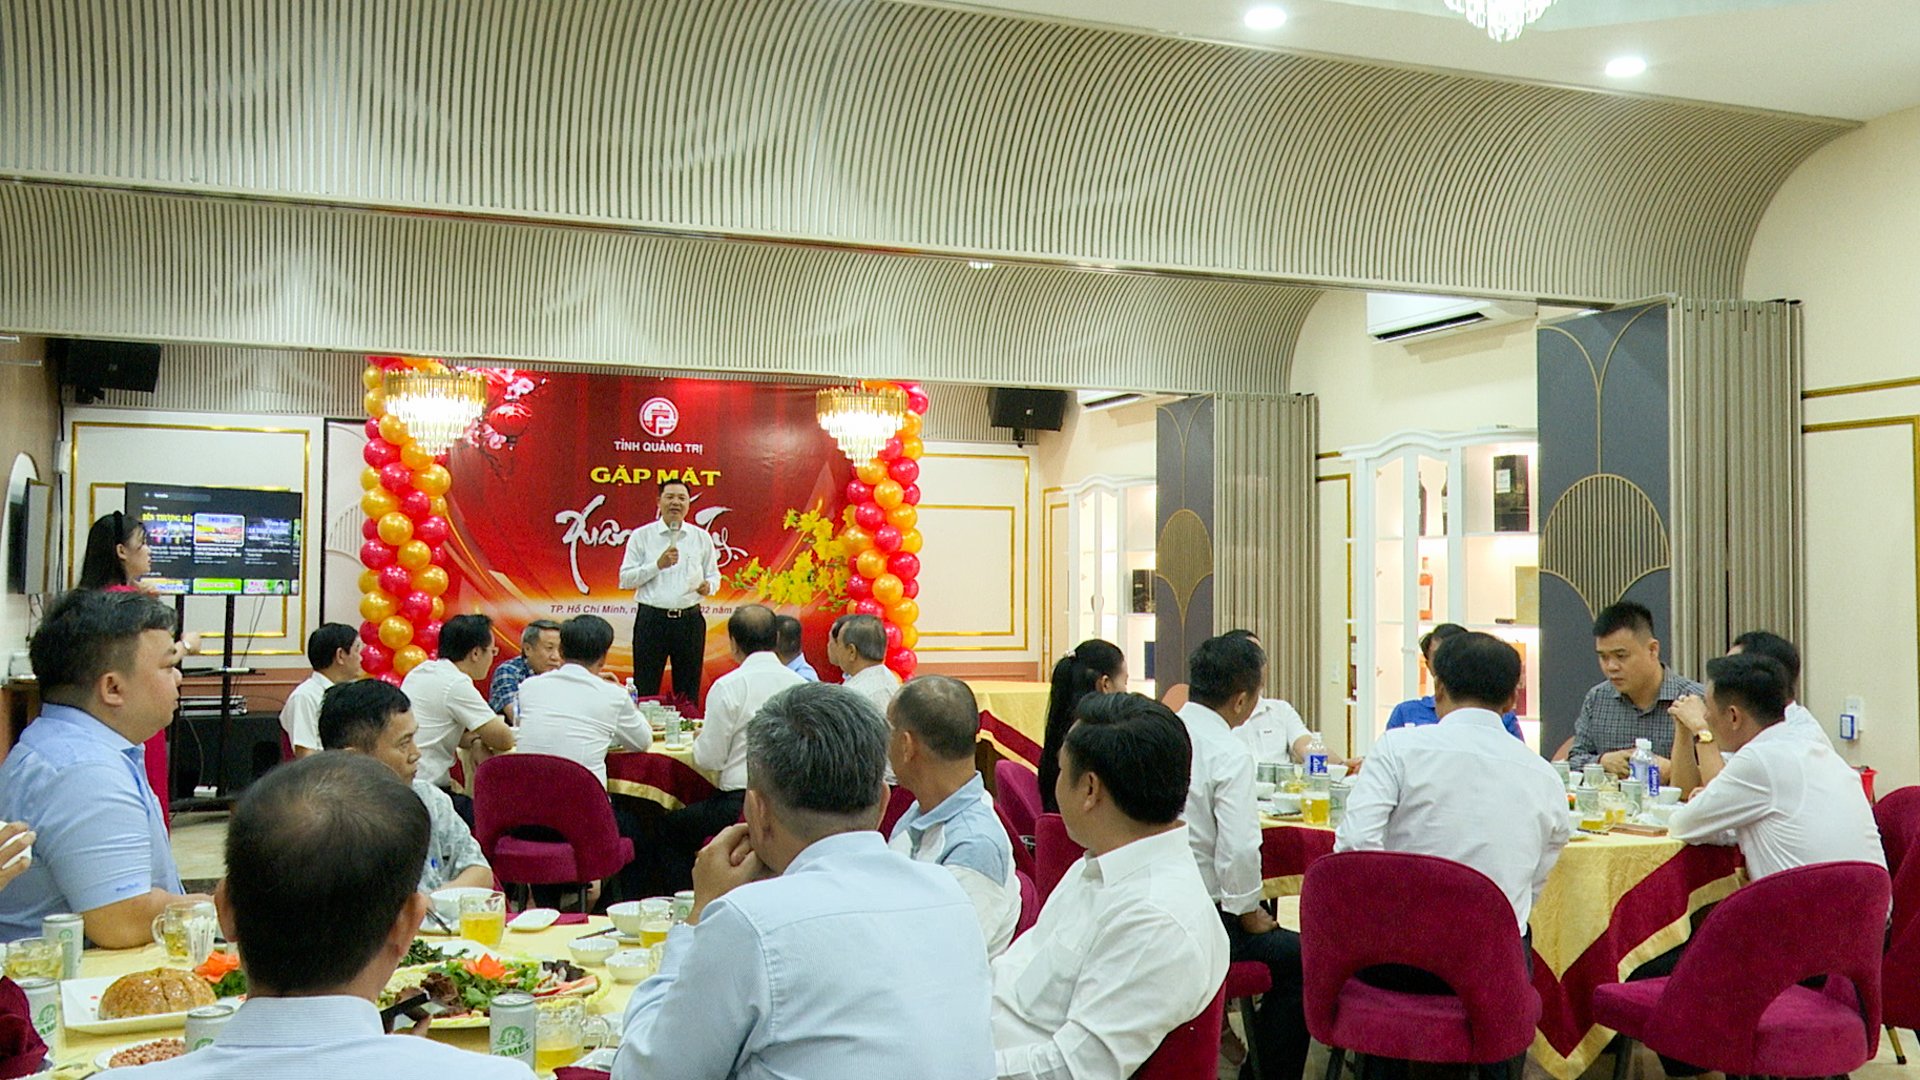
x: 394, y: 430
x: 372, y: 377
x: 413, y: 457
x: 369, y: 478
x: 423, y: 363
x: 910, y: 427
x: 439, y: 609
x: 856, y: 538
x: 431, y: 580
x: 408, y: 657
x: 888, y: 590
x: 396, y: 528
x: 376, y: 402
x: 369, y: 581
x: 439, y: 505
x: 395, y: 631
x: 872, y: 472
x: 911, y: 446
x: 909, y: 637
x: 379, y: 502
x: 434, y: 480
x: 910, y: 541
x: 888, y: 493
x: 415, y: 554
x: 871, y: 563
x: 903, y: 517
x: 376, y: 606
x: 903, y: 614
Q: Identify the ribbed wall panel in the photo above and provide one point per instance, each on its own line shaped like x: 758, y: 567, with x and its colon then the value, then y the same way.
x: 253, y: 273
x: 900, y: 125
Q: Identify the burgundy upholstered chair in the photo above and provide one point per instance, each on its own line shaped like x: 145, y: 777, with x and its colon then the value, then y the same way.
x: 1900, y: 967
x: 1190, y: 1051
x: 1361, y: 909
x: 1054, y: 853
x: 1029, y: 903
x: 1022, y: 849
x: 515, y: 793
x: 1898, y: 816
x: 1016, y: 790
x: 1735, y: 1002
x: 898, y: 799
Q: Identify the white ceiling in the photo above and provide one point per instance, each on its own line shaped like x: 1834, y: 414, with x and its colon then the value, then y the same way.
x: 1857, y: 59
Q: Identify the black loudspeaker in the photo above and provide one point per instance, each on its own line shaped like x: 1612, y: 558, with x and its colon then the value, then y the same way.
x: 92, y: 366
x: 1027, y: 410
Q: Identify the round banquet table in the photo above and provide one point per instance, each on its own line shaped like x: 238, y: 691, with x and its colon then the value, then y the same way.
x: 1611, y: 904
x: 73, y: 1052
x: 1013, y: 717
x: 659, y: 775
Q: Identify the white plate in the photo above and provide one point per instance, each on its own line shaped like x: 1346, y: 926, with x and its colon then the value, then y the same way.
x: 100, y: 1060
x: 80, y: 1009
x: 532, y: 919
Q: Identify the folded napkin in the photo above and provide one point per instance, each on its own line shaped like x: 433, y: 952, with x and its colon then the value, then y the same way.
x: 22, y: 1052
x: 570, y: 918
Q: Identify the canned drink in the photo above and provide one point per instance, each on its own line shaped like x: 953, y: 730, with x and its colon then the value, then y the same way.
x: 66, y: 931
x: 204, y: 1024
x: 682, y: 906
x: 43, y: 1005
x: 512, y: 1027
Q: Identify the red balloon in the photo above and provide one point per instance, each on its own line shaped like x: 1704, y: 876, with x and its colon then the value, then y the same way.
x: 886, y: 538
x: 417, y: 608
x: 869, y: 607
x: 396, y: 580
x: 890, y: 449
x: 511, y: 420
x: 375, y: 658
x: 911, y: 495
x: 858, y: 587
x: 905, y: 470
x: 917, y: 401
x: 370, y: 529
x: 432, y: 530
x: 428, y: 636
x: 396, y: 477
x: 391, y: 678
x: 373, y: 429
x: 370, y: 633
x: 893, y: 637
x: 869, y: 516
x: 902, y: 661
x: 443, y: 557
x: 858, y: 492
x: 910, y: 587
x: 376, y: 554
x: 417, y: 505
x: 380, y: 453
x: 904, y: 565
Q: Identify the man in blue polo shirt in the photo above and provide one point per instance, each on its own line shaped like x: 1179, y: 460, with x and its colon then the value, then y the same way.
x: 933, y: 723
x: 78, y: 774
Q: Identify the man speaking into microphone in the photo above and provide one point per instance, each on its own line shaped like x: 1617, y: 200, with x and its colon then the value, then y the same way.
x: 670, y: 565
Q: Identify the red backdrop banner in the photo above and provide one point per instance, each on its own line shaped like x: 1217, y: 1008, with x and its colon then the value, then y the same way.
x: 565, y: 466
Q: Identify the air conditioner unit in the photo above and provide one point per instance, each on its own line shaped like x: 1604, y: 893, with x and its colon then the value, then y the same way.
x: 1400, y: 316
x: 1096, y: 400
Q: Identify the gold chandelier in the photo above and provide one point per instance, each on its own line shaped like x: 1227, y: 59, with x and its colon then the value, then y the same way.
x: 861, y: 420
x: 1501, y: 19
x: 437, y: 406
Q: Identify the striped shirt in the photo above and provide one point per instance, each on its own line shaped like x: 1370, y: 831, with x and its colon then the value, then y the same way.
x: 1610, y: 721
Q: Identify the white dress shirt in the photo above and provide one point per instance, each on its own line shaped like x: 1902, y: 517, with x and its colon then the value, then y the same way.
x: 856, y: 963
x: 1223, y: 823
x: 721, y: 746
x: 1272, y: 730
x: 300, y: 716
x: 323, y: 1038
x: 1462, y: 789
x: 676, y: 587
x: 877, y: 684
x: 572, y: 713
x: 1786, y: 801
x: 446, y: 705
x: 1802, y: 722
x: 1128, y: 948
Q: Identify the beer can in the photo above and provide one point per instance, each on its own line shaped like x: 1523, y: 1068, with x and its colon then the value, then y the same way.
x: 514, y: 1021
x: 682, y: 906
x: 67, y: 932
x: 43, y: 1005
x: 204, y: 1024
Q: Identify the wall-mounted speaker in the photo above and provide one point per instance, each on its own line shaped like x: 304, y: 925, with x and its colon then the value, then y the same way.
x: 1027, y: 410
x: 92, y: 366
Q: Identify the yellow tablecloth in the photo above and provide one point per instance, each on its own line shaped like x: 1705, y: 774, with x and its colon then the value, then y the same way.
x: 75, y: 1051
x: 1021, y: 705
x: 660, y: 775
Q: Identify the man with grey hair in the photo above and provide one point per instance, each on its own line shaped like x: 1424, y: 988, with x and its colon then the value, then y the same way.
x: 858, y: 647
x: 812, y: 950
x: 933, y: 723
x: 539, y: 654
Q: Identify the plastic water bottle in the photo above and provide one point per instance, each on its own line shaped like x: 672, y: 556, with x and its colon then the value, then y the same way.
x: 1316, y: 756
x: 1642, y: 766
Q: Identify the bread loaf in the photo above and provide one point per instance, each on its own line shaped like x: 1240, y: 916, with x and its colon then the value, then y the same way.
x: 150, y: 993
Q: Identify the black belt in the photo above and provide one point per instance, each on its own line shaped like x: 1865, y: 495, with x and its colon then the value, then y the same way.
x: 673, y: 613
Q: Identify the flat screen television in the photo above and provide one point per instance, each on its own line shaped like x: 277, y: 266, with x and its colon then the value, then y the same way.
x: 221, y: 541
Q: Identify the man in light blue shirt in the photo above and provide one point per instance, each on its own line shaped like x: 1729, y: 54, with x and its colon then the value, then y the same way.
x: 786, y: 645
x: 934, y: 721
x: 322, y: 856
x: 78, y: 775
x: 847, y: 961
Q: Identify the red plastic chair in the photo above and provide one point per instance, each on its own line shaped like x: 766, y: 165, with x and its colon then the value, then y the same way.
x: 1017, y: 791
x: 1365, y: 908
x: 898, y: 799
x: 1900, y: 967
x: 1736, y: 1004
x: 1029, y: 903
x: 515, y: 792
x: 1898, y: 816
x: 1190, y: 1051
x: 1054, y: 852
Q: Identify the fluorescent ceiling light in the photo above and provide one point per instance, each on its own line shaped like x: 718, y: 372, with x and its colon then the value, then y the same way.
x: 1625, y: 67
x: 1264, y: 17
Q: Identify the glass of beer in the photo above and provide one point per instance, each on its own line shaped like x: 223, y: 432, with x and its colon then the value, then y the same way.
x: 564, y: 1032
x: 186, y: 928
x: 656, y: 918
x: 483, y: 918
x: 34, y: 958
x: 1315, y: 801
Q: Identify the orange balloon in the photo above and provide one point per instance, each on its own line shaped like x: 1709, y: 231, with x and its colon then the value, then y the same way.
x: 888, y: 590
x: 903, y: 614
x: 434, y: 479
x: 376, y: 402
x: 871, y: 563
x: 439, y: 609
x: 415, y: 554
x: 379, y: 502
x: 910, y: 426
x: 903, y: 517
x: 369, y: 581
x: 408, y: 657
x: 871, y: 473
x: 413, y: 457
x: 396, y: 528
x: 911, y: 446
x: 395, y: 631
x: 431, y: 580
x: 888, y: 493
x: 856, y: 538
x: 423, y: 363
x: 439, y: 504
x: 394, y: 430
x: 376, y: 606
x: 372, y: 377
x: 909, y: 637
x: 910, y: 541
x: 369, y: 478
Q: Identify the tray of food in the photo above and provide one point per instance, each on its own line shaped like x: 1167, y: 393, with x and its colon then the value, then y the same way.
x: 140, y: 1001
x: 142, y: 1053
x: 464, y: 986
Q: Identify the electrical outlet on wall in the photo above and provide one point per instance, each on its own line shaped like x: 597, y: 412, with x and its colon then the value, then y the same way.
x: 1853, y: 718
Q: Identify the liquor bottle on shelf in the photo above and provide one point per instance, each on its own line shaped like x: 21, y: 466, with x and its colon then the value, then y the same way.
x: 1443, y: 508
x: 1426, y: 589
x: 1423, y: 509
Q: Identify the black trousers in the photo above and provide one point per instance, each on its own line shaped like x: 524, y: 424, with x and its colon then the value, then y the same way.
x: 659, y: 637
x: 688, y: 829
x: 1279, y: 1023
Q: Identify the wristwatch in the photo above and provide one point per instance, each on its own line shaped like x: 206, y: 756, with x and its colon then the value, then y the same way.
x: 1703, y: 737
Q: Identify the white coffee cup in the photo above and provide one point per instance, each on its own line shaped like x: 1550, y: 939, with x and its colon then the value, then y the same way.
x: 1669, y: 796
x: 1336, y: 771
x: 1262, y: 789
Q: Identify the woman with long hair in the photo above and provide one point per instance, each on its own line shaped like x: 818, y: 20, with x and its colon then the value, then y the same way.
x: 1093, y: 667
x: 117, y: 556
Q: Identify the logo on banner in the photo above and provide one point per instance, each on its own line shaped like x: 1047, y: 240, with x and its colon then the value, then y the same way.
x: 658, y: 417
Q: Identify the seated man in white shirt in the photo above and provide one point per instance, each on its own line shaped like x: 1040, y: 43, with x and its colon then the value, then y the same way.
x: 812, y: 950
x: 572, y: 712
x: 721, y: 746
x: 451, y: 713
x: 934, y: 722
x: 373, y: 718
x: 334, y: 652
x: 1223, y: 828
x: 322, y: 856
x: 1275, y: 731
x: 858, y: 647
x: 1078, y: 995
x: 1697, y: 756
